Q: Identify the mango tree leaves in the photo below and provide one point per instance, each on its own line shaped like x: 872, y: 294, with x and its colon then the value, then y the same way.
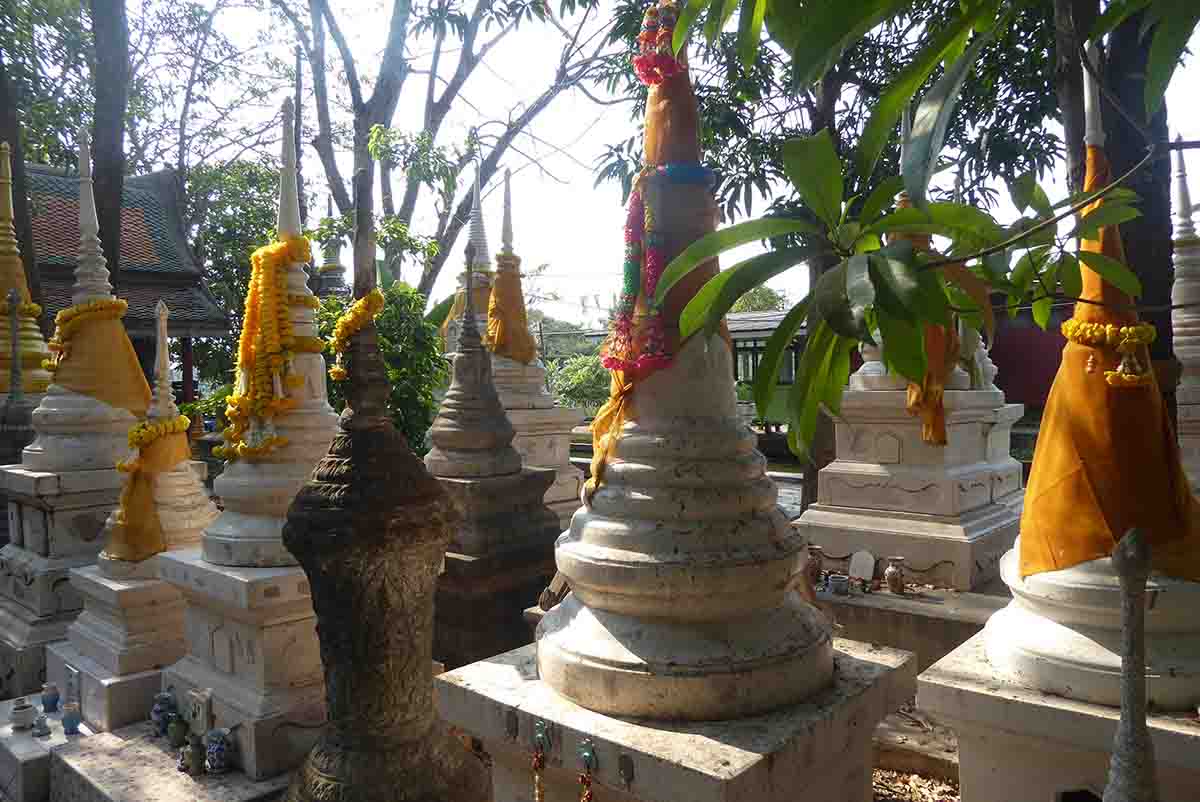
x: 1069, y: 277
x: 776, y: 350
x: 978, y: 290
x: 903, y: 289
x: 813, y: 167
x: 820, y: 380
x: 903, y: 345
x: 880, y: 198
x: 750, y: 25
x: 1026, y: 193
x: 722, y: 291
x: 1112, y: 271
x: 817, y: 32
x: 1106, y: 214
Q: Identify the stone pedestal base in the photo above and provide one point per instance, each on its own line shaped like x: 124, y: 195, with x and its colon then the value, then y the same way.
x: 951, y: 511
x: 131, y: 766
x: 1016, y: 743
x: 25, y: 759
x: 819, y: 749
x: 477, y: 612
x: 23, y: 640
x: 252, y: 641
x: 1187, y: 423
x: 128, y: 630
x: 544, y: 440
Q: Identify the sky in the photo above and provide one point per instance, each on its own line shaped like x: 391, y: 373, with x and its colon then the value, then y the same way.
x: 560, y: 218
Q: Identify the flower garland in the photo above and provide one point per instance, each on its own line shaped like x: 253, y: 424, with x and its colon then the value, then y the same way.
x: 1126, y: 340
x: 143, y: 434
x: 27, y: 309
x: 655, y: 61
x: 265, y: 352
x: 68, y: 322
x: 360, y: 313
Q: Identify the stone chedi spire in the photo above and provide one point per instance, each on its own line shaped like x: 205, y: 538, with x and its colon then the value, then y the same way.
x: 1185, y: 321
x: 481, y: 280
x: 256, y: 492
x: 16, y: 415
x: 99, y: 390
x: 508, y: 333
x: 331, y: 275
x: 31, y: 346
x: 370, y: 529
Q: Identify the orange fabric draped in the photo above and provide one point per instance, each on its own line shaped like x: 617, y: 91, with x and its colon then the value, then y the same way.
x: 1106, y: 459
x: 102, y: 364
x: 508, y: 324
x: 137, y: 532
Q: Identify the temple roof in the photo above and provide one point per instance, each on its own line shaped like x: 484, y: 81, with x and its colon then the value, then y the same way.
x: 156, y: 261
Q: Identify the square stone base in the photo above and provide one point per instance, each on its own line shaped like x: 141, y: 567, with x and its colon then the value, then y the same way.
x: 23, y: 640
x: 818, y: 750
x: 1016, y: 743
x: 130, y: 765
x: 961, y: 552
x: 107, y: 701
x: 25, y: 760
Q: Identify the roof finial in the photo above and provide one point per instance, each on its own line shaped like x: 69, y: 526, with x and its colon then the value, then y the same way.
x: 289, y: 195
x: 91, y: 271
x: 16, y: 392
x: 481, y: 258
x: 10, y: 252
x: 162, y: 407
x: 506, y: 232
x: 1094, y: 123
x: 1185, y: 227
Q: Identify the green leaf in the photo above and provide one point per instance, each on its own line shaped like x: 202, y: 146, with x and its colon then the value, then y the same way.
x: 805, y: 396
x: 1178, y: 21
x: 831, y: 304
x: 722, y: 291
x: 1028, y: 266
x: 930, y: 123
x: 812, y: 165
x: 775, y: 352
x: 1070, y: 279
x: 880, y: 198
x: 903, y: 345
x: 968, y: 226
x: 1043, y: 236
x: 750, y: 25
x: 710, y: 245
x: 1106, y: 214
x: 1041, y: 311
x: 1116, y: 13
x: 687, y: 18
x: 1026, y: 192
x: 816, y: 33
x: 1113, y: 272
x: 837, y: 374
x: 902, y: 88
x: 719, y: 13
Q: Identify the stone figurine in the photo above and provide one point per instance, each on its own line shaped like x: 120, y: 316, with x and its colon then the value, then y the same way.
x: 41, y: 727
x: 71, y: 718
x: 893, y: 575
x: 219, y: 747
x: 177, y: 730
x: 164, y: 704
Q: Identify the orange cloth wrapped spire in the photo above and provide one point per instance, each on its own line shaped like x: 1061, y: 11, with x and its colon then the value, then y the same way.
x: 508, y: 323
x: 1107, y: 459
x: 671, y: 206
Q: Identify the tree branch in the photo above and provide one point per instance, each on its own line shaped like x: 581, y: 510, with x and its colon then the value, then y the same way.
x: 339, y: 40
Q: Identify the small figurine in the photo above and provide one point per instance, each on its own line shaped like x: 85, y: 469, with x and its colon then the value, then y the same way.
x: 164, y: 703
x: 894, y: 575
x: 41, y: 727
x: 220, y: 745
x: 22, y: 714
x: 196, y: 755
x: 177, y: 730
x: 71, y: 718
x: 50, y: 698
x: 812, y: 568
x: 839, y: 584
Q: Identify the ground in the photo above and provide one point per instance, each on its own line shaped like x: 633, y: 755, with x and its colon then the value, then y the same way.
x: 893, y: 786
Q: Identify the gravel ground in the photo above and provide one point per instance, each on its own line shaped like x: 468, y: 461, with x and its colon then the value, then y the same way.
x: 892, y: 786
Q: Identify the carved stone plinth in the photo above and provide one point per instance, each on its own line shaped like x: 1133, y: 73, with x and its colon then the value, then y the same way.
x: 819, y: 749
x: 1016, y: 742
x: 56, y: 523
x: 1061, y: 634
x: 683, y: 569
x: 951, y: 511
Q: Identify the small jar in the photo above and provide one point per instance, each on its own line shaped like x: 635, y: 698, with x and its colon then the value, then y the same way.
x: 50, y: 698
x: 71, y: 718
x: 195, y: 756
x: 893, y: 575
x: 22, y: 714
x: 219, y: 744
x: 177, y: 730
x: 839, y: 584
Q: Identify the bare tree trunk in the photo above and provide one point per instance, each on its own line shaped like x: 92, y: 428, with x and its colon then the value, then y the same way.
x: 1148, y: 238
x: 110, y: 30
x: 10, y: 131
x: 1072, y: 20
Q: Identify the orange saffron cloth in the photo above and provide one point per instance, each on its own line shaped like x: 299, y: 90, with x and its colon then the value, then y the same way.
x: 1106, y: 459
x: 136, y: 533
x: 508, y: 323
x: 102, y: 364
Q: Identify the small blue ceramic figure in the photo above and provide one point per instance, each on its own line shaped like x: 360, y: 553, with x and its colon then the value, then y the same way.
x: 50, y: 698
x: 164, y: 705
x: 219, y: 744
x: 41, y: 727
x: 71, y: 718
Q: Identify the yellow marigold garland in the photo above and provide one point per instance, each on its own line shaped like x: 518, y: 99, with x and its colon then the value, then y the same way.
x: 143, y: 434
x: 265, y: 350
x: 360, y: 313
x: 28, y: 308
x: 68, y: 321
x: 311, y: 301
x: 1126, y: 340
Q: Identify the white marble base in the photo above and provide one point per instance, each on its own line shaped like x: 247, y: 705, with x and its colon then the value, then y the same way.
x: 252, y: 640
x: 25, y: 759
x: 107, y: 701
x: 1187, y: 417
x: 1061, y: 633
x: 1016, y: 743
x: 951, y: 511
x: 23, y: 640
x: 130, y: 765
x: 819, y: 750
x: 76, y: 432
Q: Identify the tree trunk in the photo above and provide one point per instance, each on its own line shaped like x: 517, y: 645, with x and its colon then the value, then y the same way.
x: 110, y: 29
x: 10, y: 132
x: 1072, y: 20
x: 1148, y: 238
